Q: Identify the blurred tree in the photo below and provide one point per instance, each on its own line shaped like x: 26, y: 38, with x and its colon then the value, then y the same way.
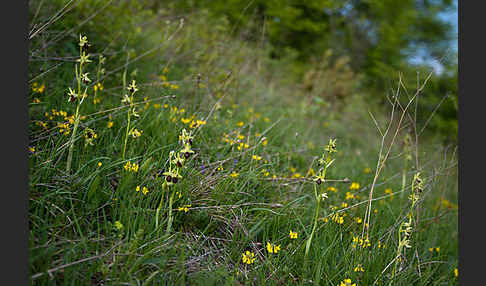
x: 378, y: 35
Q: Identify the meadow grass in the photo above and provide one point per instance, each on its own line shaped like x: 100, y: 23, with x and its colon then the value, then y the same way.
x: 244, y: 206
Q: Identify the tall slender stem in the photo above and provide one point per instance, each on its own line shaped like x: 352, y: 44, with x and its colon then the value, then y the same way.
x: 169, y: 222
x: 158, y: 211
x: 316, y: 214
x: 126, y: 135
x: 76, y: 116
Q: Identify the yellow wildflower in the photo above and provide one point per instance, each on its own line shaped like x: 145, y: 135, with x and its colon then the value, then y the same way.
x: 337, y: 219
x: 272, y: 248
x: 118, y: 225
x: 359, y: 268
x: 248, y: 257
x: 135, y: 133
x: 256, y: 157
x: 349, y: 196
x: 131, y: 167
x: 242, y: 145
x: 354, y: 186
x: 293, y: 234
x: 186, y: 120
x: 332, y: 189
x: 184, y: 208
x: 347, y: 282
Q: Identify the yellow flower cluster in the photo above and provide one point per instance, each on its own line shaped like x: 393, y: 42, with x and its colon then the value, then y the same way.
x: 234, y: 138
x: 256, y: 157
x: 64, y: 128
x: 347, y: 282
x: 184, y: 208
x: 131, y: 167
x: 98, y: 86
x: 359, y: 268
x: 38, y: 89
x: 296, y: 175
x: 349, y: 196
x: 174, y: 112
x: 272, y: 248
x: 192, y: 122
x: 381, y: 245
x: 363, y: 243
x: 248, y: 257
x: 242, y: 146
x: 135, y: 133
x: 354, y: 186
x: 144, y: 190
x: 59, y: 113
x: 337, y: 218
x: 332, y: 189
x: 292, y: 234
x: 265, y: 172
x: 41, y: 123
x: 197, y: 123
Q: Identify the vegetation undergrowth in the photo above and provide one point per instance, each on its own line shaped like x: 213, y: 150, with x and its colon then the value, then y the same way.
x: 206, y: 162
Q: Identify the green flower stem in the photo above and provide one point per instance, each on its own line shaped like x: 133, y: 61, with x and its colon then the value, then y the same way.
x: 76, y: 116
x: 158, y: 211
x: 128, y: 113
x: 126, y: 134
x: 309, y: 240
x: 318, y: 201
x: 71, y: 143
x: 404, y: 177
x: 401, y: 243
x: 169, y: 223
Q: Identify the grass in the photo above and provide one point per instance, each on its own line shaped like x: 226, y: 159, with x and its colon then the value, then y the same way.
x: 91, y: 225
